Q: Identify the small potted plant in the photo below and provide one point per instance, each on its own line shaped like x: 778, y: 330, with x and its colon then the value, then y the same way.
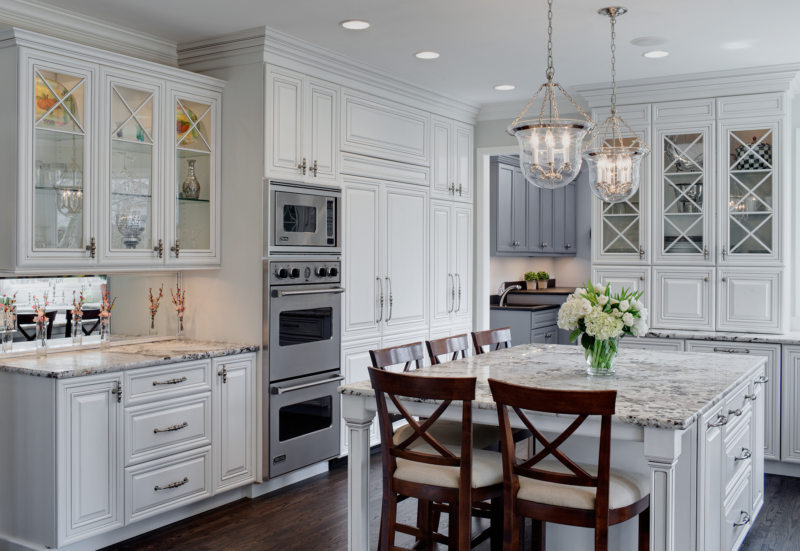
x: 530, y: 277
x: 542, y: 280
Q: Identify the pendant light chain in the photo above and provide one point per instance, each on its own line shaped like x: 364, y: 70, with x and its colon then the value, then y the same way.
x: 613, y: 17
x: 550, y: 73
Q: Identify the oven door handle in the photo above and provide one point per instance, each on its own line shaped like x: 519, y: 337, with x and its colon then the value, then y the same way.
x: 276, y: 293
x: 280, y: 390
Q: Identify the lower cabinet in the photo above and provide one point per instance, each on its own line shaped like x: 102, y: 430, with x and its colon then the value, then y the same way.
x: 683, y: 298
x: 748, y: 300
x: 633, y: 278
x: 644, y: 343
x: 790, y: 420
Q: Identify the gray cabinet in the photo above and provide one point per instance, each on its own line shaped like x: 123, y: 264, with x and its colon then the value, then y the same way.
x: 528, y: 327
x: 527, y: 220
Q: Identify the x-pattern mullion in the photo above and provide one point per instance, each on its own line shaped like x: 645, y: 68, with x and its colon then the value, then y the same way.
x: 751, y: 148
x: 133, y: 113
x: 751, y: 191
x: 682, y: 193
x: 620, y: 235
x: 61, y: 101
x: 751, y: 233
x: 609, y: 205
x: 194, y: 124
x: 682, y: 152
x: 683, y: 233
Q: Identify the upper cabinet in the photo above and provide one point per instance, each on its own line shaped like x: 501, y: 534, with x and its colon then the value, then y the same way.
x: 302, y: 123
x: 117, y: 163
x: 452, y: 159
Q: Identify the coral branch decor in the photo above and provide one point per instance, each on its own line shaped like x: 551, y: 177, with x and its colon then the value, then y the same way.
x: 40, y: 319
x: 106, y: 307
x: 155, y: 301
x: 179, y: 300
x: 77, y: 317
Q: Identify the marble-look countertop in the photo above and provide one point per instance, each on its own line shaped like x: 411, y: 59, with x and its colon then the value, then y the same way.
x: 92, y: 361
x: 780, y: 338
x: 654, y: 389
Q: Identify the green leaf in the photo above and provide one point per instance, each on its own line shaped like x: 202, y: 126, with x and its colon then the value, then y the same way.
x: 573, y: 336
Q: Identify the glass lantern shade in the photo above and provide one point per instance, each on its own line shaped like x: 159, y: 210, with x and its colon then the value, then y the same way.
x: 614, y: 172
x: 550, y: 150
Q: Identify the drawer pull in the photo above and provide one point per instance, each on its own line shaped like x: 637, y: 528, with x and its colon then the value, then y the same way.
x: 736, y: 412
x: 186, y: 480
x: 171, y: 381
x: 745, y: 455
x: 721, y: 420
x: 732, y: 350
x: 751, y: 397
x: 548, y: 335
x: 744, y: 518
x: 173, y: 428
x: 762, y: 380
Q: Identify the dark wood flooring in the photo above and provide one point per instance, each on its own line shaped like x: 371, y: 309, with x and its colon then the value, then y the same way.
x: 312, y: 515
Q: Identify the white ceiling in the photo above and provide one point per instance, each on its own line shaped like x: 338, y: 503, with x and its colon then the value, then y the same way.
x: 487, y: 42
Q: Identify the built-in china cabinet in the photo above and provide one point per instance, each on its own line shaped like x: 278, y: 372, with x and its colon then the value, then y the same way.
x: 112, y: 162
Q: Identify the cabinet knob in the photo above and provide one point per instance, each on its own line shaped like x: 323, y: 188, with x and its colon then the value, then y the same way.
x: 452, y: 188
x: 724, y: 278
x: 224, y: 374
x: 159, y: 249
x: 176, y: 248
x: 303, y: 166
x: 544, y: 244
x: 548, y: 335
x: 92, y: 247
x: 641, y: 253
x: 568, y: 246
x: 459, y: 190
x: 515, y: 244
x: 314, y: 168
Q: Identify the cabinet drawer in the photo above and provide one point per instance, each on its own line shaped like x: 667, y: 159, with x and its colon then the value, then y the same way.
x: 737, y: 407
x: 645, y: 343
x: 544, y: 318
x: 158, y: 486
x: 737, y: 521
x: 545, y: 335
x: 162, y: 428
x: 737, y: 451
x: 158, y: 383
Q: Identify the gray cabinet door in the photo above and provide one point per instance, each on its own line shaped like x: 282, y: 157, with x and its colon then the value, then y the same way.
x: 519, y: 321
x: 545, y: 335
x: 564, y: 220
x: 544, y: 244
x: 509, y: 216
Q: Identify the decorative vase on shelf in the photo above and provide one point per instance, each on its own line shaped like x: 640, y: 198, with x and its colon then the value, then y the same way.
x: 190, y: 188
x: 77, y: 330
x: 105, y: 331
x: 180, y: 335
x: 152, y: 331
x: 41, y: 337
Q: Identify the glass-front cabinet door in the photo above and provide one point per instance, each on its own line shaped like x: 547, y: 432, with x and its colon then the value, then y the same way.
x: 749, y: 207
x: 624, y: 227
x: 131, y: 215
x: 59, y: 205
x: 685, y: 188
x: 195, y: 178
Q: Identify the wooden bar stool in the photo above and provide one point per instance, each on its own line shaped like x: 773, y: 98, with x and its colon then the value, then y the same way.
x: 499, y: 338
x: 560, y: 490
x: 452, y: 346
x: 432, y: 470
x: 407, y: 354
x: 88, y: 315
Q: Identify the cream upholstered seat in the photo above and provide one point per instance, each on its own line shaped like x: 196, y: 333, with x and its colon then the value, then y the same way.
x: 625, y: 488
x: 487, y: 469
x: 449, y: 432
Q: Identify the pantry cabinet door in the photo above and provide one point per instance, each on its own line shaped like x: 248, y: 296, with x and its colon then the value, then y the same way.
x: 462, y: 268
x: 443, y: 284
x: 683, y: 298
x: 442, y: 176
x: 234, y: 426
x: 322, y: 127
x: 284, y: 123
x: 463, y: 161
x: 790, y: 404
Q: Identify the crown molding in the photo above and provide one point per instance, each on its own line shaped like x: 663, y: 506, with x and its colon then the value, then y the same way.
x: 267, y: 45
x: 752, y: 80
x: 47, y: 19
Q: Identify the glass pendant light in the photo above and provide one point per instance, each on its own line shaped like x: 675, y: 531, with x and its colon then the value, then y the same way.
x: 615, y: 162
x: 550, y: 147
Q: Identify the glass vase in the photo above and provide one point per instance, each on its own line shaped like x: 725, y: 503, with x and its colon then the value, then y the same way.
x: 105, y: 332
x: 9, y: 327
x: 41, y: 337
x: 180, y: 328
x: 600, y: 358
x: 152, y: 328
x: 77, y: 330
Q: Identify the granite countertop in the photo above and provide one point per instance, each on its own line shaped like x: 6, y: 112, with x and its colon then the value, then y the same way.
x: 780, y: 338
x: 528, y: 307
x: 654, y: 389
x: 92, y: 361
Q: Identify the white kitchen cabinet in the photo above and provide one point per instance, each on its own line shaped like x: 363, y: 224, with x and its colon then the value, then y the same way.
x: 96, y: 172
x: 711, y: 457
x: 90, y: 452
x: 451, y: 264
x: 451, y: 159
x: 646, y: 343
x: 683, y: 298
x: 234, y: 424
x: 303, y: 124
x: 769, y: 391
x: 632, y: 278
x: 748, y: 300
x: 462, y: 263
x: 790, y: 404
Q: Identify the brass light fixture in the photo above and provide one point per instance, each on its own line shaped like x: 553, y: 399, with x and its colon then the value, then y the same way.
x: 550, y: 147
x: 615, y: 161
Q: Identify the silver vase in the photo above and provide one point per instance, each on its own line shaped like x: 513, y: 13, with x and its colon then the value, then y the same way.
x: 190, y: 188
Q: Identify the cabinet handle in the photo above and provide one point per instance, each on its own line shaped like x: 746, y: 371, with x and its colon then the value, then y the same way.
x: 548, y: 335
x: 458, y: 278
x: 173, y: 428
x: 721, y: 420
x: 176, y: 248
x: 452, y: 293
x: 117, y: 390
x: 744, y: 518
x: 705, y: 253
x: 641, y: 253
x: 732, y: 350
x: 568, y: 246
x: 452, y: 188
x: 224, y: 374
x: 735, y: 412
x: 303, y: 166
x: 746, y: 454
x: 92, y: 247
x: 724, y: 253
x: 515, y: 244
x: 751, y: 397
x: 172, y: 485
x: 761, y: 380
x: 544, y: 244
x: 380, y: 280
x: 391, y: 297
x: 459, y: 189
x: 171, y: 381
x: 314, y: 168
x: 159, y: 249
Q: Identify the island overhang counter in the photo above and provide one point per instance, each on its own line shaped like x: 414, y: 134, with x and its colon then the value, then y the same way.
x: 694, y: 421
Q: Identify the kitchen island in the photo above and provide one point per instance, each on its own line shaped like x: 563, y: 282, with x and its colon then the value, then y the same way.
x: 692, y: 421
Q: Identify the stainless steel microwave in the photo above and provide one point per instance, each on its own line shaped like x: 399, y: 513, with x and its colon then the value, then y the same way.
x: 304, y: 219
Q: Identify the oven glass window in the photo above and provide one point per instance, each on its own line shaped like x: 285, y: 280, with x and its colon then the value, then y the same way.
x: 305, y: 417
x: 305, y: 326
x: 299, y: 219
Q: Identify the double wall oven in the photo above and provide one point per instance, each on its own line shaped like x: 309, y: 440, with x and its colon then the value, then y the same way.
x: 302, y: 328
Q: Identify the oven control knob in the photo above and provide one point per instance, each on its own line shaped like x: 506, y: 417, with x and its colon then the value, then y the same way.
x: 333, y: 272
x: 295, y: 273
x: 322, y: 272
x: 283, y: 273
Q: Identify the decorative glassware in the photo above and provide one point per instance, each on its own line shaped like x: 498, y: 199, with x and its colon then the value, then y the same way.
x: 131, y: 226
x: 41, y: 337
x: 9, y: 327
x: 180, y: 335
x: 190, y: 188
x: 600, y: 357
x: 105, y: 331
x: 152, y: 331
x: 77, y: 329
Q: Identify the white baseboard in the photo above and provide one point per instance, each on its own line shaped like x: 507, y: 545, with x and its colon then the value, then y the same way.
x: 782, y: 468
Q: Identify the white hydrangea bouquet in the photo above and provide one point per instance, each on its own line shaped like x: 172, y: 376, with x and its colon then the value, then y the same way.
x: 599, y: 319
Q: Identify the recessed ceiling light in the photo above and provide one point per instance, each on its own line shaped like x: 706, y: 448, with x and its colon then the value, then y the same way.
x: 645, y: 41
x: 504, y: 87
x: 427, y: 54
x: 655, y: 54
x: 355, y: 24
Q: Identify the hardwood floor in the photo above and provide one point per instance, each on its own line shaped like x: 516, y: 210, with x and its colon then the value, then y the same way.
x: 313, y: 515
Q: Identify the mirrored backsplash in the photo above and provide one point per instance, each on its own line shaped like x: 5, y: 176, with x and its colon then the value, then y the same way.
x: 59, y: 290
